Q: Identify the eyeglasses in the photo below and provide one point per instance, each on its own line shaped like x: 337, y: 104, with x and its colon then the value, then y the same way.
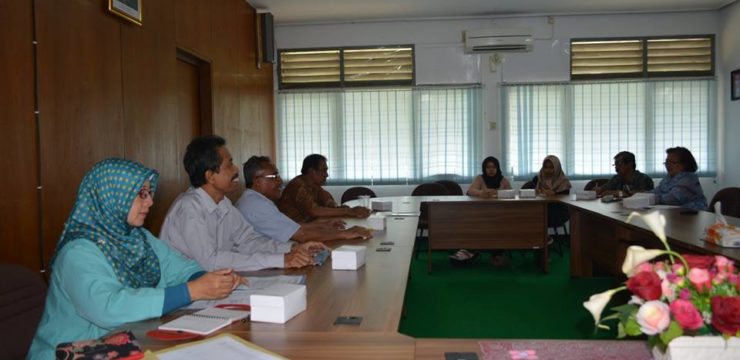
x: 271, y: 176
x: 146, y: 194
x: 618, y: 163
x: 671, y: 162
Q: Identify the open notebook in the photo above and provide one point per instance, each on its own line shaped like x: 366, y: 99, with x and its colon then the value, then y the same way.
x: 205, y: 321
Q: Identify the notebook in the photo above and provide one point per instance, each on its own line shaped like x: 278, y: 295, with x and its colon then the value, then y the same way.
x: 205, y: 321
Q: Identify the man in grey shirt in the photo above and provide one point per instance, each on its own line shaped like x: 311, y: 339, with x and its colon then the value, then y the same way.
x: 628, y: 179
x: 257, y: 205
x: 203, y: 224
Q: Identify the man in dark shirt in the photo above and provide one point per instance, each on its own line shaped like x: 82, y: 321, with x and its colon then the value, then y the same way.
x: 628, y: 179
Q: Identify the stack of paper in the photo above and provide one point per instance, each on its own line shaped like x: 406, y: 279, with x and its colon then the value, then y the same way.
x: 376, y: 221
x: 382, y: 205
x: 638, y: 201
x: 527, y: 193
x: 506, y: 194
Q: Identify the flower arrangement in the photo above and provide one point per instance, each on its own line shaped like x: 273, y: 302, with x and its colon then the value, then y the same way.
x: 684, y: 295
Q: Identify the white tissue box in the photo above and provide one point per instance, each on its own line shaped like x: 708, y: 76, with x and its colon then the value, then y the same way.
x: 348, y: 257
x: 382, y: 205
x: 638, y: 201
x: 278, y: 303
x: 376, y: 221
x: 506, y: 194
x: 527, y: 193
x: 586, y: 195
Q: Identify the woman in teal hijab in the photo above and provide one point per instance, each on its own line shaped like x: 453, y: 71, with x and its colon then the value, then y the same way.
x: 108, y: 270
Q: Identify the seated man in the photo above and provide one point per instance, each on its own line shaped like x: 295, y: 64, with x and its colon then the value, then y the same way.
x: 304, y: 200
x: 203, y: 224
x: 257, y: 205
x: 628, y: 179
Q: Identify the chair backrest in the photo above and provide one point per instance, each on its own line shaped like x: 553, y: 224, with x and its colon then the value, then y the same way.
x: 452, y: 187
x: 528, y: 185
x: 22, y: 297
x: 355, y: 192
x: 430, y: 189
x: 730, y: 199
x: 595, y: 183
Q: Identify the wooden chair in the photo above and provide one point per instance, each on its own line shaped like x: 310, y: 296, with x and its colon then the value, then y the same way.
x: 354, y: 193
x: 595, y: 183
x: 452, y: 187
x: 429, y: 189
x: 22, y: 297
x: 730, y: 199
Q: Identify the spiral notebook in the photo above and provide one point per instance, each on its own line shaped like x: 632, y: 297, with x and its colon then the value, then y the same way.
x: 205, y: 321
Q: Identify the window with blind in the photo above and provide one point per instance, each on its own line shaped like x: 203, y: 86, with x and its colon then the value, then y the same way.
x: 642, y: 57
x: 387, y: 65
x: 586, y: 124
x: 383, y: 136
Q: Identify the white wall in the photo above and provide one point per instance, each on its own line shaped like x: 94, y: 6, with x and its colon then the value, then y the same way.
x: 729, y: 111
x: 440, y: 58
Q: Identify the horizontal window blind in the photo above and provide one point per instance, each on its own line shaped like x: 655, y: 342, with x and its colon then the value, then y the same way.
x: 642, y: 57
x: 390, y: 65
x: 591, y: 122
x: 388, y: 136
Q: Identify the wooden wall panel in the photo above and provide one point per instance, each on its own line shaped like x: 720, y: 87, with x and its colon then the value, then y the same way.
x: 19, y: 225
x: 109, y: 88
x: 81, y: 121
x: 149, y: 59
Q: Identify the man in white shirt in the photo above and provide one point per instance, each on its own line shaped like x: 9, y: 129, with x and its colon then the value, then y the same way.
x: 203, y: 224
x: 257, y: 205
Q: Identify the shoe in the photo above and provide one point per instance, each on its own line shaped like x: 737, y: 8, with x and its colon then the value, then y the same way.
x: 462, y: 255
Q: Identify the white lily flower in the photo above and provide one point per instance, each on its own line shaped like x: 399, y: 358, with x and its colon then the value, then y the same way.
x: 637, y: 255
x: 655, y: 221
x: 597, y: 302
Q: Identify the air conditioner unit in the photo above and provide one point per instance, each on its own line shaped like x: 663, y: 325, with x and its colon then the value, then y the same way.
x: 498, y: 39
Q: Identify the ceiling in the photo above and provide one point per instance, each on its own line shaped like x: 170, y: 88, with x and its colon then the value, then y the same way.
x: 312, y: 11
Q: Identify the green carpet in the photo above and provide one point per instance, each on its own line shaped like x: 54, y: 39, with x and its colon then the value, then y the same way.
x: 481, y: 301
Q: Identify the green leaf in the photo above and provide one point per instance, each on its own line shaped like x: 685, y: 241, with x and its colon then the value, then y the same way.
x: 620, y: 331
x: 626, y: 311
x: 673, y: 331
x: 631, y: 327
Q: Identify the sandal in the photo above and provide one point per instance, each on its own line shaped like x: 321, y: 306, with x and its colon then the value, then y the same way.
x: 462, y: 255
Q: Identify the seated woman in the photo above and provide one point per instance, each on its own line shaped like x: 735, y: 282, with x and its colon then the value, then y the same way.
x: 681, y: 187
x: 486, y: 184
x: 107, y: 270
x: 551, y: 180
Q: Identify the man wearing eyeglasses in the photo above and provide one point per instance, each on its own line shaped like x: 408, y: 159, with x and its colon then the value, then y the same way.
x: 257, y: 205
x: 305, y: 200
x: 628, y: 179
x: 203, y: 224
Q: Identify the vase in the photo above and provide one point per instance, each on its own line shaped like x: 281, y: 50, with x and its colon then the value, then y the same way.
x: 700, y: 347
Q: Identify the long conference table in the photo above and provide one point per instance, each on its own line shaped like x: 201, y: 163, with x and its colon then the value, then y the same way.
x: 375, y: 292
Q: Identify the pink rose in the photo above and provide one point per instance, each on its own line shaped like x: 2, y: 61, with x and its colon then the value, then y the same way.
x: 699, y: 261
x: 686, y: 314
x: 701, y: 279
x: 653, y: 317
x: 646, y: 266
x: 723, y: 264
x: 685, y: 294
x: 677, y: 269
x: 645, y: 284
x: 726, y: 314
x: 668, y: 289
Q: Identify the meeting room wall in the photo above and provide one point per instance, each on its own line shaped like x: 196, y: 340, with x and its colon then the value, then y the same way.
x: 440, y: 57
x: 729, y: 60
x: 106, y: 87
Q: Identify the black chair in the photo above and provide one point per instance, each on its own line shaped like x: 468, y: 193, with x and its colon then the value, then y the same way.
x: 22, y: 297
x: 452, y: 187
x: 528, y: 185
x: 730, y: 199
x: 429, y: 189
x: 595, y: 183
x: 557, y: 216
x: 354, y: 193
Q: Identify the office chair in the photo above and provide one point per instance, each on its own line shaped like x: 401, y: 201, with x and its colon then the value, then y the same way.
x: 355, y: 192
x: 730, y: 199
x: 429, y: 189
x: 452, y: 187
x: 22, y: 297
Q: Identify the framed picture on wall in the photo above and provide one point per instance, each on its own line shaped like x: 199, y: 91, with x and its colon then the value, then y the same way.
x: 127, y: 9
x: 735, y: 84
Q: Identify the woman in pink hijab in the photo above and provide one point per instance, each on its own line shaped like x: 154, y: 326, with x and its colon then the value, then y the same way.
x: 551, y: 179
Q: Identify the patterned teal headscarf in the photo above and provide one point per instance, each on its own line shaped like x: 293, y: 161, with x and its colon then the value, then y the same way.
x: 100, y: 215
